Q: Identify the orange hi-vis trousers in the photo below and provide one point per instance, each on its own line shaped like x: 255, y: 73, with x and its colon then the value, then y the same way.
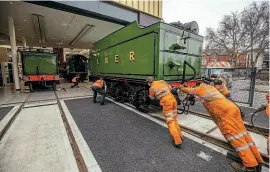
x: 169, y: 105
x: 228, y: 118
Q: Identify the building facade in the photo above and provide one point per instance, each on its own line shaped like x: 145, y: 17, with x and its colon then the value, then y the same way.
x: 152, y: 7
x: 240, y: 62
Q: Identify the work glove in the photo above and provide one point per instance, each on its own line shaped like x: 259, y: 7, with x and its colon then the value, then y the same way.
x: 181, y: 86
x: 263, y: 107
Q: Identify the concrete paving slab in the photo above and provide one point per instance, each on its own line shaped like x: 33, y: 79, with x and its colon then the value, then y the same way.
x: 260, y: 141
x: 124, y: 141
x: 37, y: 142
x: 73, y: 92
x: 39, y: 103
x: 187, y: 119
x: 5, y: 94
x: 17, y: 98
x: 202, y: 125
x: 41, y: 95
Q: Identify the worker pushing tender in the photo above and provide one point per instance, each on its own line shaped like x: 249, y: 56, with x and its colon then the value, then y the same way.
x: 268, y: 114
x: 227, y: 117
x: 99, y: 87
x: 162, y: 91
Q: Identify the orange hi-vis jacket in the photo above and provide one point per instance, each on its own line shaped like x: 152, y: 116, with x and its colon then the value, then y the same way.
x: 162, y: 91
x: 228, y: 118
x: 159, y: 89
x: 268, y: 106
x: 268, y: 109
x: 74, y: 79
x: 222, y: 88
x: 98, y: 83
x: 205, y: 92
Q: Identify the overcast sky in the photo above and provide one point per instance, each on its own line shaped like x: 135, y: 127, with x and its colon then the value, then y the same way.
x: 207, y: 13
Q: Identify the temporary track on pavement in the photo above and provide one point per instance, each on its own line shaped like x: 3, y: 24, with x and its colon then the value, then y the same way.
x: 79, y: 160
x: 256, y: 129
x: 7, y: 126
x: 77, y: 154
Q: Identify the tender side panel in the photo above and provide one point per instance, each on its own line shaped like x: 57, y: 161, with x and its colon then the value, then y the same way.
x: 124, y: 34
x: 172, y: 60
x: 132, y: 59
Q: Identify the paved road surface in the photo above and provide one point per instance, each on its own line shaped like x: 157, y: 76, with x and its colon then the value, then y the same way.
x: 122, y: 140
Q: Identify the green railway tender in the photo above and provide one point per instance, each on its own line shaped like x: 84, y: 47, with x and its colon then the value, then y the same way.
x: 40, y: 68
x: 132, y: 53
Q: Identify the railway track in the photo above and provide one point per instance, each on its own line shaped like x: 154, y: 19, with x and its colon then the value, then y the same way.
x: 256, y: 129
x: 79, y: 159
x: 7, y: 126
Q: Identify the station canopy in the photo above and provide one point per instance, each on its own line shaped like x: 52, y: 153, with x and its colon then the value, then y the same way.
x: 46, y: 27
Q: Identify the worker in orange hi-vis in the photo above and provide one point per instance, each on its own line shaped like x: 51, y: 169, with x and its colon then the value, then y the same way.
x: 268, y: 113
x: 227, y: 117
x: 75, y: 81
x: 162, y: 91
x: 268, y: 106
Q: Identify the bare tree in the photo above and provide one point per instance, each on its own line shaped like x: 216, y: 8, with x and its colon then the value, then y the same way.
x: 239, y: 33
x: 255, y: 19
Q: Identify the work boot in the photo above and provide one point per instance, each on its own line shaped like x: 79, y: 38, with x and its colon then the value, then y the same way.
x: 102, y: 104
x: 176, y: 146
x: 94, y: 101
x: 241, y: 168
x: 259, y: 167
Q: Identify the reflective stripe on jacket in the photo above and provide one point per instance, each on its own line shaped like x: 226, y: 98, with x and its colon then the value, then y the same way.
x: 159, y: 89
x: 268, y: 109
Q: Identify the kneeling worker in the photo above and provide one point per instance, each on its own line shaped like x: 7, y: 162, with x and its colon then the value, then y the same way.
x: 99, y: 87
x: 162, y: 91
x: 75, y: 81
x: 227, y: 117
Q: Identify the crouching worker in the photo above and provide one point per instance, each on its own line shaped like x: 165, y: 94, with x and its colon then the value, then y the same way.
x: 227, y: 117
x: 99, y: 87
x: 75, y: 81
x: 162, y: 91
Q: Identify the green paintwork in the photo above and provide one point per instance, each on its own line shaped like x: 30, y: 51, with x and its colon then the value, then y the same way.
x: 158, y: 51
x: 46, y: 62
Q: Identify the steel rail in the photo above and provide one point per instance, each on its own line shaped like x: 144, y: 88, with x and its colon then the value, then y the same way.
x: 12, y: 119
x: 75, y: 149
x: 256, y: 129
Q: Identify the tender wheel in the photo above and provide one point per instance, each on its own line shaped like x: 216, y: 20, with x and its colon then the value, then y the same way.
x: 54, y: 86
x: 31, y: 87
